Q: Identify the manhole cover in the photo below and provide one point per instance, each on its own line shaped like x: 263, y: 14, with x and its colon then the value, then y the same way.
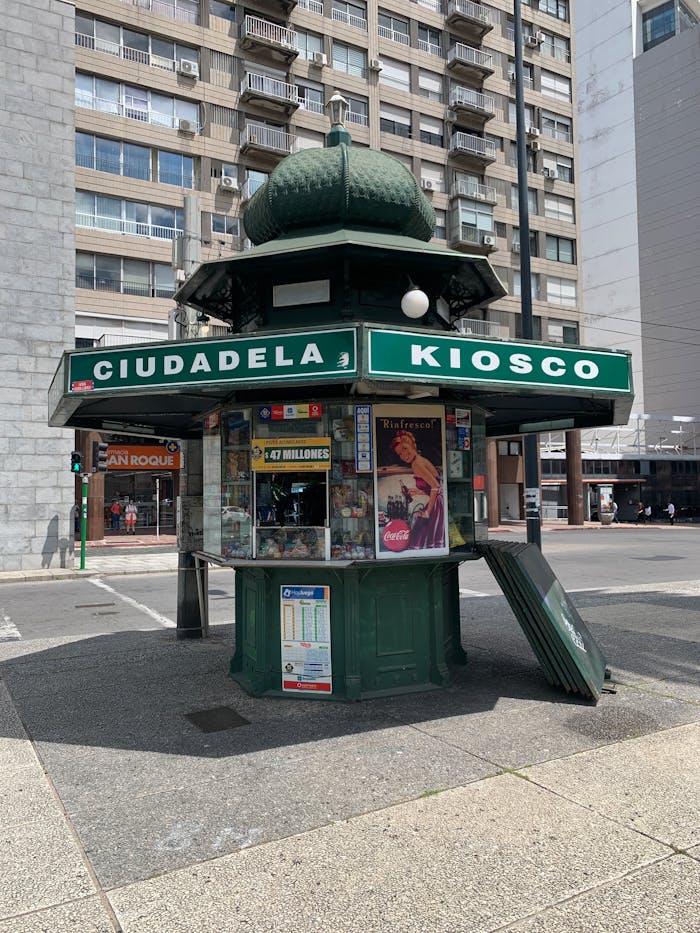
x: 217, y: 719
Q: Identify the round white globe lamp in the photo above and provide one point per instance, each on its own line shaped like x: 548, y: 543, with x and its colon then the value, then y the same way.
x: 415, y: 303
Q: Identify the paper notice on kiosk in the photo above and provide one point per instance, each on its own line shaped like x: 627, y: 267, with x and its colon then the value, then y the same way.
x: 306, y: 638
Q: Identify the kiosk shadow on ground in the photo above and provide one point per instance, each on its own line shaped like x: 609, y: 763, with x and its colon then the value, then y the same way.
x: 147, y: 791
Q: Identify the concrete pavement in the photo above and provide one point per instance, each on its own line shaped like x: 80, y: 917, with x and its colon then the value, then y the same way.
x: 495, y: 804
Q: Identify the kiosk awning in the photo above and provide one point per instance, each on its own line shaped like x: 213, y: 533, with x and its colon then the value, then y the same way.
x: 165, y: 389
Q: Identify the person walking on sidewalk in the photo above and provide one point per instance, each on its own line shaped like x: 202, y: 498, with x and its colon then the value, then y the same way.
x: 130, y: 513
x: 616, y: 518
x: 671, y: 509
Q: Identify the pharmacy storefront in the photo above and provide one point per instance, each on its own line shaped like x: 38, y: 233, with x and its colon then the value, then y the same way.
x: 148, y: 475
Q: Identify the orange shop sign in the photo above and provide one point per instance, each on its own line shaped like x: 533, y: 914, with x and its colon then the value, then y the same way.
x: 143, y: 458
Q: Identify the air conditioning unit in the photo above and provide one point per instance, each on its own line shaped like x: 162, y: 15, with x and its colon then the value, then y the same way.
x: 479, y: 196
x: 427, y: 184
x: 320, y: 59
x: 516, y: 247
x: 186, y: 126
x: 531, y: 42
x: 533, y: 132
x: 488, y: 239
x: 180, y: 276
x: 187, y: 67
x: 550, y: 173
x: 451, y: 116
x: 540, y: 36
x: 512, y: 76
x: 228, y: 183
x: 375, y: 64
x: 535, y: 145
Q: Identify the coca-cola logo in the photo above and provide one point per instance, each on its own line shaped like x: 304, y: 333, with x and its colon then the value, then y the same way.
x: 395, y: 535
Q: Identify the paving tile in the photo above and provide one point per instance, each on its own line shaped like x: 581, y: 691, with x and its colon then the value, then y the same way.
x: 659, y: 898
x: 207, y: 808
x: 41, y: 866
x: 651, y: 784
x: 84, y: 916
x: 26, y: 797
x: 647, y: 618
x: 473, y: 858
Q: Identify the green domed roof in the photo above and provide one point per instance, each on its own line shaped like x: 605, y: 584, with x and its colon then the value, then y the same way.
x: 340, y: 185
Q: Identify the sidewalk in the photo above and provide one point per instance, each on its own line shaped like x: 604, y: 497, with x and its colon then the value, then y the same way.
x: 144, y: 792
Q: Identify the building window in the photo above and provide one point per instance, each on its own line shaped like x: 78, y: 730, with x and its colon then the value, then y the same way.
x: 659, y: 24
x: 534, y: 290
x: 354, y: 14
x: 558, y: 8
x: 429, y: 40
x: 395, y: 74
x: 395, y: 120
x: 254, y: 180
x: 122, y: 275
x: 134, y: 103
x: 222, y: 10
x: 435, y: 174
x: 533, y: 241
x: 310, y: 97
x: 509, y: 448
x: 554, y: 85
x: 440, y: 230
x: 513, y: 156
x: 393, y: 27
x: 136, y: 47
x: 562, y: 331
x: 528, y: 73
x: 431, y: 131
x: 358, y: 110
x: 561, y: 291
x: 531, y: 199
x: 556, y: 126
x: 110, y: 155
x: 557, y: 47
x: 560, y: 249
x: 308, y: 44
x: 116, y: 215
x: 558, y: 208
x: 562, y: 165
x: 529, y: 114
x: 430, y: 86
x: 224, y: 224
x: 350, y: 60
x: 175, y: 169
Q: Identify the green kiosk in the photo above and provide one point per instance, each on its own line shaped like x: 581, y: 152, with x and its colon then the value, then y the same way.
x: 343, y: 426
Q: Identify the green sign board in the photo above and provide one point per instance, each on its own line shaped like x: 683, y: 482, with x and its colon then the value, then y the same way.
x: 401, y: 354
x: 299, y: 357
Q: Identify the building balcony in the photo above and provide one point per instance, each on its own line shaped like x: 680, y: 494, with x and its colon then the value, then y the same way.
x: 474, y: 191
x: 471, y: 148
x: 186, y: 12
x: 476, y: 107
x: 270, y: 92
x: 478, y: 328
x: 466, y: 61
x: 275, y: 6
x: 311, y: 6
x: 393, y: 35
x: 260, y: 35
x: 470, y: 239
x: 357, y: 22
x: 123, y: 286
x: 472, y: 19
x: 268, y: 140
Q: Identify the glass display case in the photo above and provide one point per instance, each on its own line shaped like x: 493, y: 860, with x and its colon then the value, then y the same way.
x: 236, y: 531
x: 351, y: 493
x: 460, y: 488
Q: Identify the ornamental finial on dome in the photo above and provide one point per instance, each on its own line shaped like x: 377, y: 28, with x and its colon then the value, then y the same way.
x: 337, y: 108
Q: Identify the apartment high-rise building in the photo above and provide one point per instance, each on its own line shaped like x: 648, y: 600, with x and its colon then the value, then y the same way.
x: 638, y: 72
x: 197, y: 100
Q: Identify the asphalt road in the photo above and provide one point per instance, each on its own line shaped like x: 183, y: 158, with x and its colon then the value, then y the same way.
x: 588, y: 560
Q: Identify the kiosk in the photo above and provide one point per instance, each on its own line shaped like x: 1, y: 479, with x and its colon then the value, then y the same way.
x: 343, y: 423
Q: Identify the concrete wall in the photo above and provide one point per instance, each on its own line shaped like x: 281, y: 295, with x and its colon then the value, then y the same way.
x: 37, y: 214
x: 667, y: 100
x: 607, y: 179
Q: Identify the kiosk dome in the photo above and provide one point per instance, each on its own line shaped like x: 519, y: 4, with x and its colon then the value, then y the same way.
x: 341, y: 185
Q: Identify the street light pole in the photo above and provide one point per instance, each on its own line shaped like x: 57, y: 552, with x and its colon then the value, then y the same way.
x: 532, y: 473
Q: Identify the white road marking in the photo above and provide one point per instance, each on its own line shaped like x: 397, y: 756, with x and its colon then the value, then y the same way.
x: 8, y: 629
x: 156, y: 616
x: 463, y: 592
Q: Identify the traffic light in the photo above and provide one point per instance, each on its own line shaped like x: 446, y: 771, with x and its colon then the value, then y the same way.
x: 76, y: 462
x: 99, y: 457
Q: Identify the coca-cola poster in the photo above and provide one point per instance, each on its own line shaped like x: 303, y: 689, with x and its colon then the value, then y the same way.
x: 411, y: 509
